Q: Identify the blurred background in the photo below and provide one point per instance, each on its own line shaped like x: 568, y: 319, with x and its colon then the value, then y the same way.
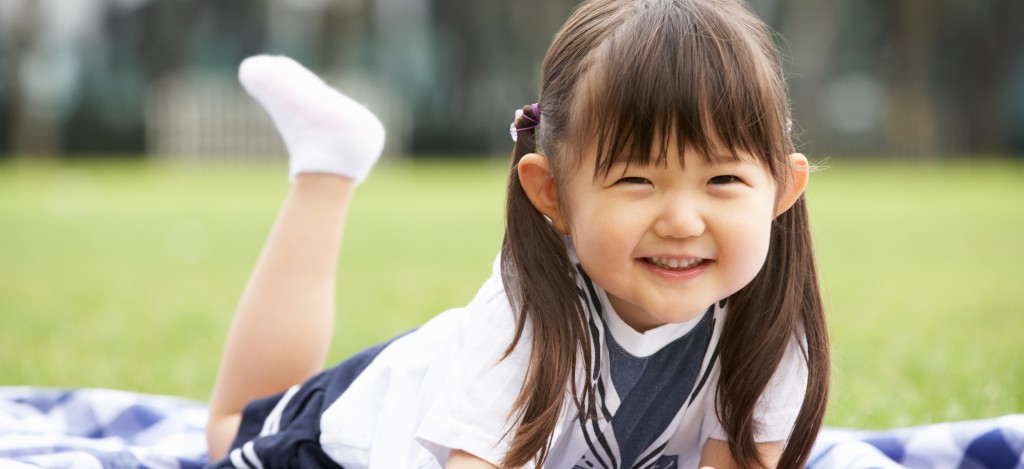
x: 908, y: 79
x: 138, y: 181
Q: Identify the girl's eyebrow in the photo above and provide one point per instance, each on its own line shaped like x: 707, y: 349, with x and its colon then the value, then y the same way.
x: 729, y: 159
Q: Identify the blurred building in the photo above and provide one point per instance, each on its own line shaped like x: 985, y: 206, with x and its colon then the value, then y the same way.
x: 910, y: 78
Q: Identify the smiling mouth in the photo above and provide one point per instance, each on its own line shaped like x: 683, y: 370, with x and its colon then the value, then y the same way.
x: 674, y: 264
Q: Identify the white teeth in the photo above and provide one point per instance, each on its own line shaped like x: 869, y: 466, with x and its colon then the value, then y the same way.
x: 680, y: 264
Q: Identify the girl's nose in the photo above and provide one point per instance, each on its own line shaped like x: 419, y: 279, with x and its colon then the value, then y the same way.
x: 680, y: 218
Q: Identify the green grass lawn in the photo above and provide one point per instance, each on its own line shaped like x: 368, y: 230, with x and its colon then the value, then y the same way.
x: 125, y: 275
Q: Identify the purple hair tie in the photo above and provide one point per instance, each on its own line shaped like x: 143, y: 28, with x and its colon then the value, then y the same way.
x: 514, y: 131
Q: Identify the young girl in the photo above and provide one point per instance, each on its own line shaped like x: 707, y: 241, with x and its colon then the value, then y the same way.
x: 654, y: 305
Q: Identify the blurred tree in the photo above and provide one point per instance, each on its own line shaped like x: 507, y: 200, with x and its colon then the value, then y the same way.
x: 809, y: 36
x: 978, y: 51
x: 909, y: 28
x: 35, y: 132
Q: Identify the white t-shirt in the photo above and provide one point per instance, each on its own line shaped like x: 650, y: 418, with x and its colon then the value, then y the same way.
x: 445, y: 386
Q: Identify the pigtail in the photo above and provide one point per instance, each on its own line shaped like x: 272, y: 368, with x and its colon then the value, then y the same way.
x: 811, y: 317
x: 782, y: 304
x: 539, y: 281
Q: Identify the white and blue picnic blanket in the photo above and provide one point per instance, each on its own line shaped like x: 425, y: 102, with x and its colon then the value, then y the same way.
x: 99, y: 428
x: 95, y: 428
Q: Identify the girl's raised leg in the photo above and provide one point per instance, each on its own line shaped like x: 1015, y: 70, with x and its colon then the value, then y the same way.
x: 282, y: 327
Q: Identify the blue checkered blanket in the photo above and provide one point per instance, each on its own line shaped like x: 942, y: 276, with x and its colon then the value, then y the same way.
x: 98, y: 428
x: 86, y: 428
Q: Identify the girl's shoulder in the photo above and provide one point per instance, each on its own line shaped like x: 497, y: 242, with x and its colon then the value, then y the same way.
x: 483, y: 374
x: 447, y: 384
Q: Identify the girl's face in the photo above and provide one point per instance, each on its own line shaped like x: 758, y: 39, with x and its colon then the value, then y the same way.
x: 664, y: 241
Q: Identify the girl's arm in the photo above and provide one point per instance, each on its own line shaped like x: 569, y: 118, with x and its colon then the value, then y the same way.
x: 459, y: 459
x: 716, y: 454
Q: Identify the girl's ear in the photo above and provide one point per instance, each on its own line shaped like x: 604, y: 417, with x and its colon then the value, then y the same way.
x: 539, y: 185
x: 796, y: 182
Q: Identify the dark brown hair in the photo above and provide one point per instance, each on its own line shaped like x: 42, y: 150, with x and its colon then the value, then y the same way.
x: 629, y: 75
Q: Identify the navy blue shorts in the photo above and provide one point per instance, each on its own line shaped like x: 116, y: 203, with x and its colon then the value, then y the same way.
x: 294, y: 440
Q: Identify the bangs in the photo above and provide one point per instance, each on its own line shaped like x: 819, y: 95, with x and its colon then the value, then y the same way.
x: 710, y: 81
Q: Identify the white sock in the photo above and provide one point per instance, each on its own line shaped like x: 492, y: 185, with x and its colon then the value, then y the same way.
x: 323, y: 130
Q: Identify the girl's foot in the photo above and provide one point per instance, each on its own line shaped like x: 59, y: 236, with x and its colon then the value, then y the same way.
x: 323, y: 130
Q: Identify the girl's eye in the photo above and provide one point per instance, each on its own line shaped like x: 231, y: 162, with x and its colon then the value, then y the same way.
x: 727, y: 179
x: 634, y: 180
